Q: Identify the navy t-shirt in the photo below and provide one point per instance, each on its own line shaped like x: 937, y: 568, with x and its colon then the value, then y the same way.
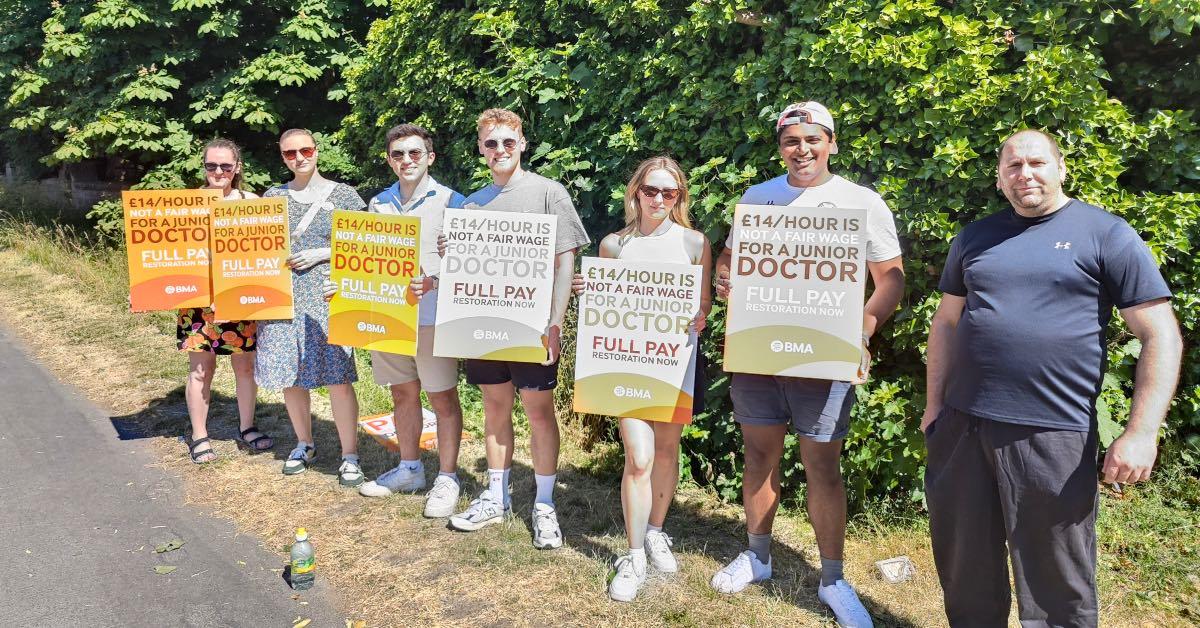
x: 1030, y: 346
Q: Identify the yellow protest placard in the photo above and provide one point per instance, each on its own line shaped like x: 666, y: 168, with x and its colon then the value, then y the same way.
x: 250, y: 247
x: 374, y: 258
x: 166, y: 238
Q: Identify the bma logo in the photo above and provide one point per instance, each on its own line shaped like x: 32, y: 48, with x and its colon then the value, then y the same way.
x: 627, y: 391
x: 780, y: 346
x: 252, y: 299
x: 488, y: 334
x: 180, y: 289
x: 1062, y: 245
x: 371, y: 328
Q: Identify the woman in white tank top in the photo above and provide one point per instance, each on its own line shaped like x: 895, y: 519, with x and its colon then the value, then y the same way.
x: 657, y: 229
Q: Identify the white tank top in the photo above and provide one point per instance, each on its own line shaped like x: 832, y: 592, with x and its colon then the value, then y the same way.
x: 667, y: 246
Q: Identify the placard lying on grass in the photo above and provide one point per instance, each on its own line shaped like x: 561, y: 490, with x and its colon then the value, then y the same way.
x: 251, y: 279
x: 796, y: 299
x: 635, y: 354
x: 166, y: 238
x: 495, y: 289
x: 374, y: 258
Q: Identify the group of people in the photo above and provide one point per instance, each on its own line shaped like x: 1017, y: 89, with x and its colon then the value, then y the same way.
x: 1015, y: 359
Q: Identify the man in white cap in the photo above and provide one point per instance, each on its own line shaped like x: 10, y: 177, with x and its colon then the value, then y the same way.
x: 816, y: 410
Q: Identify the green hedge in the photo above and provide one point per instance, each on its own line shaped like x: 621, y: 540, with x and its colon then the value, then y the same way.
x: 922, y: 91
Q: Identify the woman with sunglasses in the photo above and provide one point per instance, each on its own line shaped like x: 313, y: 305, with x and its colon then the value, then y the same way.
x: 204, y: 338
x: 295, y: 354
x: 657, y: 229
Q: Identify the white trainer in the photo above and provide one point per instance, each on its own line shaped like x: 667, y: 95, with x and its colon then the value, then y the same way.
x: 398, y: 480
x: 546, y: 533
x: 658, y: 552
x: 737, y: 575
x: 627, y: 580
x: 483, y: 511
x: 847, y: 608
x: 442, y: 498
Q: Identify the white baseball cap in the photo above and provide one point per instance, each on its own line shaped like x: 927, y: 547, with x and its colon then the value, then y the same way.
x: 811, y: 112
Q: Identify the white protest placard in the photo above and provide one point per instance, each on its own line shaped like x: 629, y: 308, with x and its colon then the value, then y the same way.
x: 635, y: 355
x: 494, y: 291
x: 797, y: 284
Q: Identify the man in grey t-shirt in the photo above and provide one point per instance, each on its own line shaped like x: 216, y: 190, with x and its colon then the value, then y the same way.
x: 514, y: 189
x: 1015, y: 360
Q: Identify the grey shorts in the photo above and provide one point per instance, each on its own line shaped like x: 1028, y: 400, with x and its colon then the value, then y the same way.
x: 817, y: 409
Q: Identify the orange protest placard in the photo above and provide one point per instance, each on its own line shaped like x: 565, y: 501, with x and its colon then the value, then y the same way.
x: 250, y: 247
x: 166, y: 238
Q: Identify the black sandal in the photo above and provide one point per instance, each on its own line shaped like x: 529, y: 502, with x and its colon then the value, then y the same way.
x: 197, y: 455
x: 252, y: 443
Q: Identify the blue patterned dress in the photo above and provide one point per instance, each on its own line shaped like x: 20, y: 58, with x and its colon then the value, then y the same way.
x: 297, y: 352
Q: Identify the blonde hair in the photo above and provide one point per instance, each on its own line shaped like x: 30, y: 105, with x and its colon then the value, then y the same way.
x: 679, y: 213
x: 498, y: 117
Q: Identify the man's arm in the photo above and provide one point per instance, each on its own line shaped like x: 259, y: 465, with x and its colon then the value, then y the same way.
x: 1130, y: 458
x: 937, y: 354
x: 888, y: 277
x: 564, y: 272
x: 724, y: 260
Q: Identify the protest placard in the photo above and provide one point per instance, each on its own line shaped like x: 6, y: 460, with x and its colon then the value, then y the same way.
x: 495, y: 289
x: 634, y: 351
x: 166, y: 238
x: 251, y: 279
x: 374, y: 258
x: 795, y: 306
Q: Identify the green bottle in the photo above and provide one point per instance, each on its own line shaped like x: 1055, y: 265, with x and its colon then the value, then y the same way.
x: 304, y: 562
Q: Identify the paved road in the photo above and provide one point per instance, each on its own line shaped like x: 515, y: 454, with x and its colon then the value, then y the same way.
x: 81, y: 514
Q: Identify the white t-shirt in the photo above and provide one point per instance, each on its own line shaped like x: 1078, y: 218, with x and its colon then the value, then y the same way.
x: 882, y: 242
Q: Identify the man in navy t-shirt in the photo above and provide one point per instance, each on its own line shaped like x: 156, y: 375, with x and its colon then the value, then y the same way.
x: 1015, y: 362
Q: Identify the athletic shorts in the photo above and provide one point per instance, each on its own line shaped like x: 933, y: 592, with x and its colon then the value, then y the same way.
x: 817, y: 409
x: 435, y: 374
x: 523, y: 375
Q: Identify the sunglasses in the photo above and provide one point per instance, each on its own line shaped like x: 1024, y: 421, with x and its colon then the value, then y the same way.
x: 649, y: 191
x: 414, y: 154
x: 306, y: 152
x: 509, y: 144
x: 213, y: 166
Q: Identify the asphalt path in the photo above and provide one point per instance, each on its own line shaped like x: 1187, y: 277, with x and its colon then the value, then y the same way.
x: 81, y: 513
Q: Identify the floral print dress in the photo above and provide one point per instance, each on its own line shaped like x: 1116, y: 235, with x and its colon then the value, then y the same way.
x: 296, y: 352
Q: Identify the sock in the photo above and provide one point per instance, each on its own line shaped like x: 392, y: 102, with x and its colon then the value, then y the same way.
x: 760, y: 544
x: 545, y: 489
x: 453, y: 475
x: 639, y: 558
x: 497, y: 486
x: 831, y: 571
x: 411, y: 465
x: 302, y: 443
x: 350, y: 458
x: 650, y: 527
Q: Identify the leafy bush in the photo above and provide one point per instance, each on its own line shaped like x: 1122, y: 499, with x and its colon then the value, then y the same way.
x: 923, y: 92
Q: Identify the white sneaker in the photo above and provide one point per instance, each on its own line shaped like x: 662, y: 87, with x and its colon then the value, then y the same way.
x: 847, y: 608
x: 398, y: 480
x: 737, y: 575
x: 298, y: 461
x: 546, y: 534
x: 627, y: 580
x: 350, y: 474
x: 442, y: 498
x: 658, y: 552
x: 483, y: 511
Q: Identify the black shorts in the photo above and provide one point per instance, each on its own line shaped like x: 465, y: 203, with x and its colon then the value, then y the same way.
x: 523, y: 375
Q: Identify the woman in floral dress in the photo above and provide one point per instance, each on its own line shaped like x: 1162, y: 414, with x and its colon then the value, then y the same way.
x: 295, y: 355
x: 204, y: 338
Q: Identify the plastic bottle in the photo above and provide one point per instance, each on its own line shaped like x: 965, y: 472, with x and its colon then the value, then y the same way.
x: 304, y: 562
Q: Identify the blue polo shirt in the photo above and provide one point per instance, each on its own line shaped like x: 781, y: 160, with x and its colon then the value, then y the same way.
x: 1030, y: 345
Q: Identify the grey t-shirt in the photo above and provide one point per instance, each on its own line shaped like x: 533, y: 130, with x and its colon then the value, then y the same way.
x: 1030, y: 346
x: 534, y: 194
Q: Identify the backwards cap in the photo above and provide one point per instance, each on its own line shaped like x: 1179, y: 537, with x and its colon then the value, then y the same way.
x: 810, y: 112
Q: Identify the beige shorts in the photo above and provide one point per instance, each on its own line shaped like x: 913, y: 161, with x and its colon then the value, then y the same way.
x: 435, y: 374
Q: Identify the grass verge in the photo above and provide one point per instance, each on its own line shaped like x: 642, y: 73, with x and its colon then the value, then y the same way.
x: 390, y: 566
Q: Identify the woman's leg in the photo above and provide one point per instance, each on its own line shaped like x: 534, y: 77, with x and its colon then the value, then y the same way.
x: 198, y: 393
x: 247, y: 389
x: 299, y: 409
x: 345, y: 416
x: 665, y: 476
x: 636, y: 494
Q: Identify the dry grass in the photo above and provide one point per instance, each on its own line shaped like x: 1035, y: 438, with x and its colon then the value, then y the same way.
x: 392, y: 567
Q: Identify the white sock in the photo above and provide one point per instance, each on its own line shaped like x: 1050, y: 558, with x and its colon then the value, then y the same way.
x: 453, y: 475
x: 302, y: 443
x: 411, y: 465
x: 350, y: 458
x: 639, y: 558
x: 545, y: 489
x: 653, y: 528
x: 497, y: 485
